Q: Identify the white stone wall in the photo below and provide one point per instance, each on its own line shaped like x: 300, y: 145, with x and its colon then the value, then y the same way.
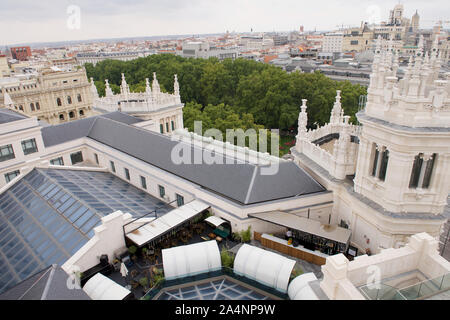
x: 341, y: 277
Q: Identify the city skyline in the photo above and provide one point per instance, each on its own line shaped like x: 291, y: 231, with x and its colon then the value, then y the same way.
x: 34, y: 22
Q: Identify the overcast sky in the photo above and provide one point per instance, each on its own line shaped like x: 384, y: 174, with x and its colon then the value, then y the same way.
x: 27, y: 21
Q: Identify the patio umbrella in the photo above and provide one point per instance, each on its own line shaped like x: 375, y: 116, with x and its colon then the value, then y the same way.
x: 123, y: 270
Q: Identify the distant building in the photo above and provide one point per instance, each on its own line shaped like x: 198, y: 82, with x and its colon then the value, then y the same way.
x: 415, y: 22
x: 203, y: 49
x: 52, y: 96
x: 250, y: 42
x: 95, y: 57
x: 20, y: 53
x: 357, y: 39
x: 396, y: 16
x: 279, y: 40
x: 332, y: 42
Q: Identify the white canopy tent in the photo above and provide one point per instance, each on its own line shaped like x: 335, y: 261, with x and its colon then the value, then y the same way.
x: 264, y: 266
x: 100, y: 287
x: 167, y: 222
x: 299, y: 288
x: 182, y: 261
x: 214, y: 220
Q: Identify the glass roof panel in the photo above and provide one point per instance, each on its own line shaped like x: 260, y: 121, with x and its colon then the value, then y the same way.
x: 51, y: 213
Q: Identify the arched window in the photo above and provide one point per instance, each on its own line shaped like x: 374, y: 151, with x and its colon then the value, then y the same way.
x: 79, y: 98
x: 69, y: 99
x: 58, y: 102
x: 81, y: 113
x: 21, y: 107
x: 61, y: 117
x: 38, y: 106
x: 32, y: 106
x: 71, y: 114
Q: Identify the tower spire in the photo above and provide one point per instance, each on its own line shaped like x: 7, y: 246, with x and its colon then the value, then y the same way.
x: 335, y: 117
x: 94, y: 89
x: 148, y: 89
x: 7, y: 101
x: 302, y: 122
x: 124, y: 89
x: 176, y: 86
x: 108, y: 91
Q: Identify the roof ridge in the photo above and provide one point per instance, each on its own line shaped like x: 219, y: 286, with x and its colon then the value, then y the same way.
x: 31, y: 287
x: 250, y: 187
x: 48, y: 283
x: 92, y: 125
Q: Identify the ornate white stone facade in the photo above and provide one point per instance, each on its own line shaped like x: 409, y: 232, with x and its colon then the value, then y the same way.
x: 162, y: 110
x: 390, y: 176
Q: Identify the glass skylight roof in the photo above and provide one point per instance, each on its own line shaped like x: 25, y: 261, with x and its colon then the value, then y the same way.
x: 222, y: 289
x: 50, y: 214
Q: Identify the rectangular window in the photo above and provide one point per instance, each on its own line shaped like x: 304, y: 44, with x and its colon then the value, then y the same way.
x: 143, y: 183
x: 180, y: 200
x: 375, y: 162
x: 76, y: 157
x: 422, y: 171
x: 6, y: 153
x: 96, y: 158
x: 11, y: 175
x: 429, y: 171
x: 162, y: 191
x: 57, y: 162
x: 113, y: 167
x: 161, y: 128
x: 127, y: 173
x: 173, y: 125
x: 383, y: 165
x: 29, y: 146
x: 415, y: 174
x: 167, y: 127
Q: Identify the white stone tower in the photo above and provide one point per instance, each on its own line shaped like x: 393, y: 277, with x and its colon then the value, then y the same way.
x: 404, y: 152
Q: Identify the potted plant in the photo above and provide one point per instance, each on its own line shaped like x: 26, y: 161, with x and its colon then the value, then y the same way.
x: 246, y: 235
x: 132, y: 250
x: 237, y: 237
x: 116, y: 264
x: 144, y: 282
x: 227, y: 258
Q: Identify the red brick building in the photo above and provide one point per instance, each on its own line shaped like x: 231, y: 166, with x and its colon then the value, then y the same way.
x: 20, y: 53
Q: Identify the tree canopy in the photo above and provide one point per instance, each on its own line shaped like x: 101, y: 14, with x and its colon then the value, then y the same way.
x: 235, y: 89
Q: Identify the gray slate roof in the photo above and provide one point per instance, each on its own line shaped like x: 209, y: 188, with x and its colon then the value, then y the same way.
x: 53, y: 135
x: 241, y: 181
x: 7, y: 115
x: 47, y: 284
